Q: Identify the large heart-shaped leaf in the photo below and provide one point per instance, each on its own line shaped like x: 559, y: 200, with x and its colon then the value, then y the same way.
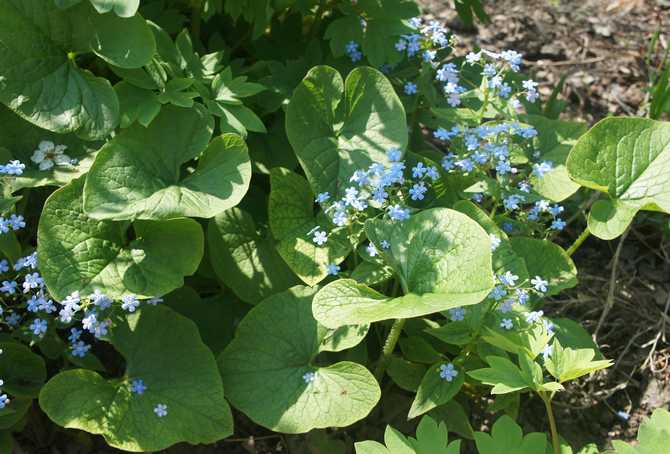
x: 629, y: 159
x: 56, y: 94
x: 441, y: 257
x: 337, y: 127
x: 77, y: 253
x: 291, y: 213
x: 22, y: 138
x: 138, y: 174
x: 267, y: 370
x: 164, y: 350
x: 245, y: 260
x: 437, y: 251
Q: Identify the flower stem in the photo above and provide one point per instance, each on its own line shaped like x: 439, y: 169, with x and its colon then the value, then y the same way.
x: 578, y: 242
x: 389, y: 346
x: 552, y: 424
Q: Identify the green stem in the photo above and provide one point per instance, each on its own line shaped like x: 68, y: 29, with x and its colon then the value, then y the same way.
x: 389, y: 346
x: 578, y: 242
x: 555, y: 441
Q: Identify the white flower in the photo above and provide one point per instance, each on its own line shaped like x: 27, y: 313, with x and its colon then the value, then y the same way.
x: 49, y: 154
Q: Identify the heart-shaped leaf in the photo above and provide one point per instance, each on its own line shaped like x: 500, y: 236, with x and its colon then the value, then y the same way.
x: 164, y: 350
x: 629, y: 159
x: 56, y: 94
x: 77, y: 253
x: 273, y: 379
x: 337, y: 127
x: 138, y: 174
x: 292, y: 221
x: 244, y: 260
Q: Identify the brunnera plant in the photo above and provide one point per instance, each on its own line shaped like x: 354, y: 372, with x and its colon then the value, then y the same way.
x: 284, y: 208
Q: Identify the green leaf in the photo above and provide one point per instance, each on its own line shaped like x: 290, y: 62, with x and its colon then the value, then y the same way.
x: 57, y: 95
x: 136, y: 104
x: 264, y: 366
x: 507, y: 436
x: 431, y: 437
x: 6, y: 442
x: 163, y: 349
x: 331, y: 136
x: 13, y: 413
x: 137, y: 175
x: 292, y: 219
x: 653, y: 435
x: 369, y: 273
x: 22, y: 138
x: 566, y: 364
x: 122, y: 8
x: 418, y: 349
x: 244, y: 260
x: 77, y: 253
x: 437, y: 251
x: 503, y: 375
x: 213, y: 316
x: 22, y: 371
x: 547, y: 260
x: 434, y: 390
x: 554, y: 140
x: 407, y: 375
x: 629, y: 159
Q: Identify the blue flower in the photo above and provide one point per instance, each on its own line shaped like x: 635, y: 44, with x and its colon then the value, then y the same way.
x: 322, y: 197
x: 137, y: 386
x: 448, y: 372
x: 558, y: 224
x: 397, y: 213
x: 508, y: 278
x: 80, y: 349
x: 506, y: 323
x: 309, y: 377
x: 532, y: 317
x: 410, y: 88
x: 394, y: 154
x: 457, y: 314
x: 4, y: 401
x: 333, y: 269
x: 417, y: 191
x: 129, y: 303
x: 161, y: 410
x: 539, y: 284
x: 38, y: 327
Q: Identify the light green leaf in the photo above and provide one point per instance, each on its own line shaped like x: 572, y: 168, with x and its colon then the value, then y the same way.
x: 438, y: 251
x: 547, y: 260
x: 554, y: 141
x: 77, y: 253
x: 291, y: 213
x: 244, y: 260
x: 434, y: 390
x: 369, y: 273
x: 57, y: 95
x: 507, y: 436
x: 138, y: 175
x: 503, y: 375
x: 136, y: 104
x: 22, y: 371
x: 163, y: 349
x: 566, y: 364
x: 22, y: 138
x: 264, y: 374
x: 122, y: 8
x: 653, y: 435
x: 331, y: 136
x: 629, y: 159
x: 431, y: 438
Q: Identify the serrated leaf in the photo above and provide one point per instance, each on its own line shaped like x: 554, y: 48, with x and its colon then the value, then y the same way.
x: 503, y: 375
x: 163, y: 349
x: 434, y: 390
x: 507, y: 436
x: 138, y: 175
x: 244, y: 260
x: 629, y: 159
x: 292, y: 220
x: 337, y: 127
x: 77, y: 253
x: 566, y: 364
x: 264, y: 375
